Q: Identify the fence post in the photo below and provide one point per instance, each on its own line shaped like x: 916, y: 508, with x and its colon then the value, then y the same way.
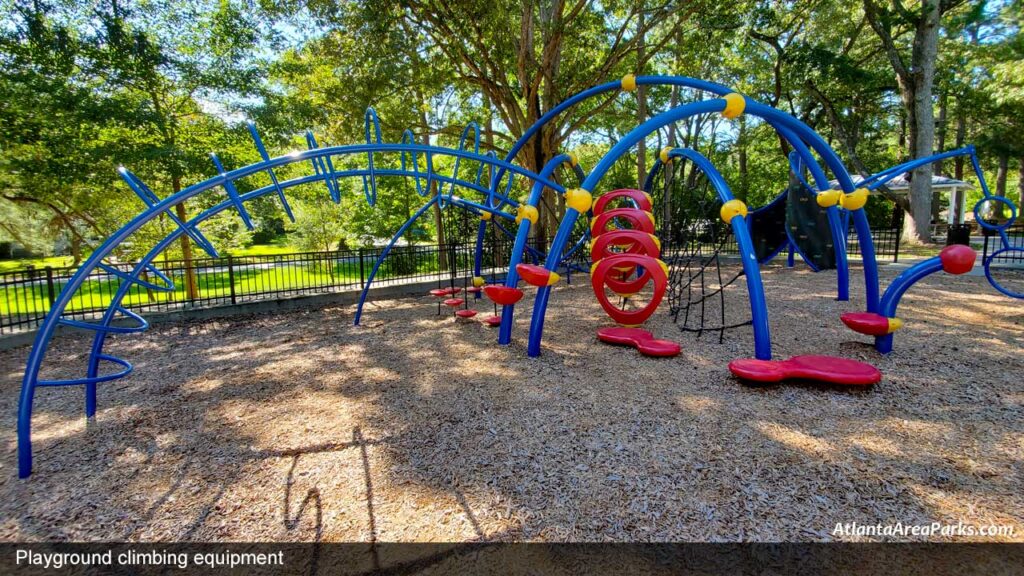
x: 899, y: 234
x: 231, y: 277
x: 362, y: 270
x: 49, y: 285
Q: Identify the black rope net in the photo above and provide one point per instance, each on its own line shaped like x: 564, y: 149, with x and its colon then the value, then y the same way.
x: 694, y: 240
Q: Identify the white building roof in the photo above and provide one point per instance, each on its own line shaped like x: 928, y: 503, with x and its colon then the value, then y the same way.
x: 901, y: 183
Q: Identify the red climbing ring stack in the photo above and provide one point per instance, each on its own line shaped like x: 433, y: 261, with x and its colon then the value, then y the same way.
x: 625, y: 260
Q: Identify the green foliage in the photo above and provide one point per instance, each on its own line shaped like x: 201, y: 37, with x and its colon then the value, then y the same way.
x: 318, y: 225
x: 156, y: 86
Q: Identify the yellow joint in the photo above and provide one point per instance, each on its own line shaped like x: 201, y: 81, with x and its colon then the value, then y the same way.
x: 594, y: 266
x: 663, y: 155
x: 732, y: 209
x: 578, y: 199
x: 829, y: 198
x: 657, y: 241
x: 526, y: 212
x: 734, y: 105
x: 629, y: 82
x: 895, y: 324
x: 854, y: 200
x: 478, y: 281
x: 651, y: 216
x: 626, y: 295
x: 553, y: 277
x: 649, y: 199
x: 573, y: 159
x: 485, y: 215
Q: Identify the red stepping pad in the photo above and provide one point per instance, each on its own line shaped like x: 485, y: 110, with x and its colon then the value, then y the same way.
x: 536, y: 275
x: 465, y: 313
x: 810, y: 367
x: 623, y: 336
x: 504, y: 295
x: 869, y: 323
x: 493, y: 321
x: 472, y: 290
x: 440, y: 292
x: 453, y: 302
x: 641, y: 339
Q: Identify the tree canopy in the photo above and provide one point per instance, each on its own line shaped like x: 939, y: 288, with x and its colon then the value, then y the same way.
x: 157, y: 86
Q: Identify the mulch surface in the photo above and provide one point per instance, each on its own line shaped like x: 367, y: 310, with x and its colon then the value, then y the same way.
x: 415, y: 427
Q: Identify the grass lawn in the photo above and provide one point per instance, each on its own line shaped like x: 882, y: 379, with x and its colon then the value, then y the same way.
x: 274, y: 248
x: 32, y: 298
x: 23, y: 263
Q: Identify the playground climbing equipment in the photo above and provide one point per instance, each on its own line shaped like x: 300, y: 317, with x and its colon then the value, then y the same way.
x: 495, y: 201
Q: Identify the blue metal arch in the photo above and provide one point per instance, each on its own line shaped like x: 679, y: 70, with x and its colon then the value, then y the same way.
x: 786, y: 131
x: 777, y: 119
x: 512, y: 276
x: 323, y: 172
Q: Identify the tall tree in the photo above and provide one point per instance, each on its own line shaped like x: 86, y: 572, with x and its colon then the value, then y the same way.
x: 526, y: 57
x: 915, y: 76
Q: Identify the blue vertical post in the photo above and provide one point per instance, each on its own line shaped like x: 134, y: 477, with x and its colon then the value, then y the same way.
x: 512, y: 278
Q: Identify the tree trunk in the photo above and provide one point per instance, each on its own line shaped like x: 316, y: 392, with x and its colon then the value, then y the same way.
x: 741, y: 145
x: 76, y: 250
x: 1004, y: 167
x: 915, y: 86
x: 903, y: 137
x: 669, y: 172
x: 940, y: 127
x: 961, y: 136
x: 641, y: 105
x: 434, y: 191
x: 191, y: 285
x: 1020, y: 185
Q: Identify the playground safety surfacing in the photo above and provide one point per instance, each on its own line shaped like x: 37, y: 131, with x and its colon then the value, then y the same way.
x: 415, y: 427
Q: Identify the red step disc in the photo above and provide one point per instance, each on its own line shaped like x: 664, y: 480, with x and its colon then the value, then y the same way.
x: 810, y: 367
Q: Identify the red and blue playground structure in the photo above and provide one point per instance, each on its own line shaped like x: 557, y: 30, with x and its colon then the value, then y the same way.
x: 622, y: 245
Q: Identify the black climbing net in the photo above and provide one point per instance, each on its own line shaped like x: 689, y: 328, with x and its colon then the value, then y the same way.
x: 694, y: 238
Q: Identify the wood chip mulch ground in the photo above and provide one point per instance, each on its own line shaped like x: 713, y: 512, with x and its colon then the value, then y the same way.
x: 300, y: 426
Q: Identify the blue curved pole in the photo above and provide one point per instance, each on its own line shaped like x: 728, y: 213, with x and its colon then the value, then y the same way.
x: 155, y: 207
x: 774, y: 117
x: 895, y: 291
x: 860, y: 221
x: 569, y: 220
x: 802, y: 152
x: 875, y: 180
x: 751, y: 268
x: 384, y: 254
x: 512, y: 276
x: 621, y: 148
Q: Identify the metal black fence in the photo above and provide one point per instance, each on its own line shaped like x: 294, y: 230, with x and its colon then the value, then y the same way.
x: 887, y: 245
x: 26, y: 295
x: 993, y: 243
